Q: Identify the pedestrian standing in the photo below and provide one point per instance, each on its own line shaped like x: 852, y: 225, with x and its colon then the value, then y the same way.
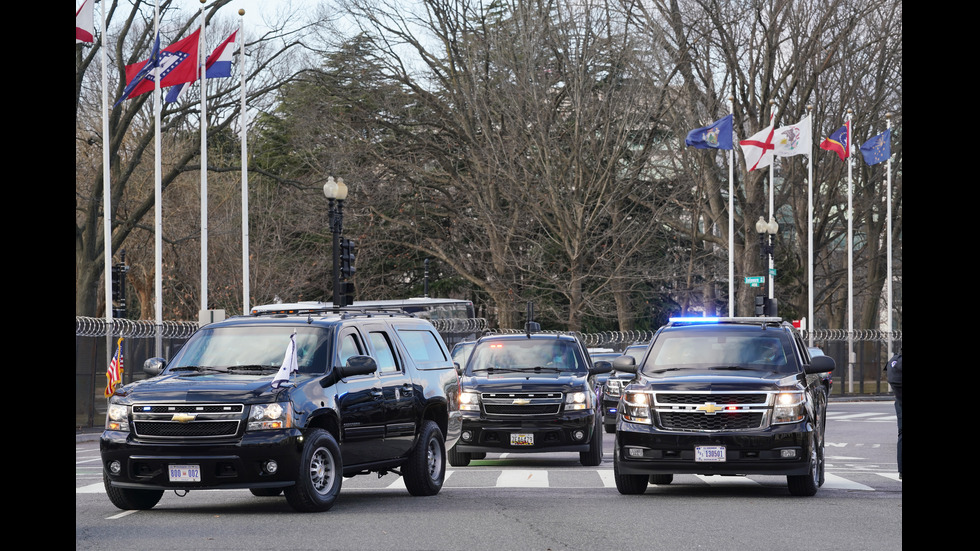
x: 894, y: 373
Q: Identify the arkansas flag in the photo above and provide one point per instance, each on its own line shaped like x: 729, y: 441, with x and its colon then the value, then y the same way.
x: 217, y: 66
x: 176, y: 64
x: 838, y: 142
x: 758, y: 148
x: 85, y: 23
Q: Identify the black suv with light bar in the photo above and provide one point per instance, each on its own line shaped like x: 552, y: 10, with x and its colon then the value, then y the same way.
x: 723, y: 396
x: 289, y: 403
x: 532, y: 392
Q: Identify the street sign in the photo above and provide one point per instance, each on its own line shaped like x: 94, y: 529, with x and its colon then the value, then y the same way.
x: 755, y: 281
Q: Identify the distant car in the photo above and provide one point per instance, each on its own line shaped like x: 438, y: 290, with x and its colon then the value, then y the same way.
x: 461, y: 353
x: 723, y: 396
x: 531, y: 392
x: 614, y: 384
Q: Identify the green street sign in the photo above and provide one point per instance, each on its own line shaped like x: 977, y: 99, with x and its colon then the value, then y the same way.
x: 755, y: 281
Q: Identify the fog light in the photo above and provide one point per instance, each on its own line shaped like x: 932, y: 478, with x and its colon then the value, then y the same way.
x: 787, y: 454
x: 271, y: 466
x: 467, y: 435
x: 634, y: 452
x: 115, y: 467
x: 578, y: 434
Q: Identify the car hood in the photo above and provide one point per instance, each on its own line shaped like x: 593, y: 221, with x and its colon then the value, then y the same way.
x: 196, y: 387
x: 715, y: 381
x: 511, y: 382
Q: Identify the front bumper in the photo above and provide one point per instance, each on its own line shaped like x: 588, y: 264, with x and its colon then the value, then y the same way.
x: 569, y: 433
x: 238, y: 463
x: 777, y: 450
x: 610, y: 409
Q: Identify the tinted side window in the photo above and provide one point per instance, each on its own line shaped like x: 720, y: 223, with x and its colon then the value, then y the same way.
x: 383, y: 351
x: 424, y: 348
x: 349, y: 346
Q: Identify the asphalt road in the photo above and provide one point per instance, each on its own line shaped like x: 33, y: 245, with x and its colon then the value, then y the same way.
x: 536, y: 501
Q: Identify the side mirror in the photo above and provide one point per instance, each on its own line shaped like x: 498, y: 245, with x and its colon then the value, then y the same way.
x: 821, y: 364
x: 358, y: 365
x: 625, y: 363
x: 601, y: 366
x: 154, y: 366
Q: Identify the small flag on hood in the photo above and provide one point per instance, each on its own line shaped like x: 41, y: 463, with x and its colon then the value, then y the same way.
x: 289, y: 363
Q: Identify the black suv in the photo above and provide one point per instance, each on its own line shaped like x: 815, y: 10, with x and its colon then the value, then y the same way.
x: 286, y: 403
x: 726, y: 396
x: 532, y: 392
x: 613, y: 386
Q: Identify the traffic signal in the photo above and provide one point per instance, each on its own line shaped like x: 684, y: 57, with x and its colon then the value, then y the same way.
x: 347, y: 293
x: 347, y: 250
x: 119, y: 290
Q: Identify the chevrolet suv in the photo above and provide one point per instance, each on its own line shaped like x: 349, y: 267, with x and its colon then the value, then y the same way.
x: 723, y: 396
x: 531, y: 392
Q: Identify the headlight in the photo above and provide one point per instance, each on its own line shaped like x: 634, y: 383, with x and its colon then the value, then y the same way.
x: 613, y: 387
x: 469, y: 401
x: 636, y: 407
x: 576, y: 401
x: 789, y: 407
x: 269, y: 416
x: 117, y: 417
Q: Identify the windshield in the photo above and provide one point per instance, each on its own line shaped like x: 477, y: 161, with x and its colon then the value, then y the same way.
x: 719, y: 349
x: 525, y: 355
x: 254, y: 349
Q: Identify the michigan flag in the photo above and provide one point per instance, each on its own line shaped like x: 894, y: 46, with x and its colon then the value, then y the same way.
x: 717, y: 135
x: 878, y: 149
x: 114, y: 373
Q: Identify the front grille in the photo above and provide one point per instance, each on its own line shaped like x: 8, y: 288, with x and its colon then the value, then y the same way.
x: 187, y: 420
x: 712, y: 412
x: 522, y: 403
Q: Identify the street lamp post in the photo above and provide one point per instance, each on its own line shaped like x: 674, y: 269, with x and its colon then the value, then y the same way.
x: 336, y: 193
x: 767, y: 249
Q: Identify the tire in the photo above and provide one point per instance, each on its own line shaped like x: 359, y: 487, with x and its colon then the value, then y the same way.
x: 265, y: 492
x: 630, y: 484
x: 661, y: 479
x: 426, y: 467
x: 458, y: 459
x: 320, y: 474
x: 593, y: 457
x: 128, y: 499
x: 806, y: 485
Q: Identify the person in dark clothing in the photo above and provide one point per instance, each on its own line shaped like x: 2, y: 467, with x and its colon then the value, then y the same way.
x: 894, y: 373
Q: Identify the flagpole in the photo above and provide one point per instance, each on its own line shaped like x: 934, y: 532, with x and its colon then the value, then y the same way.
x: 158, y: 196
x: 241, y: 62
x: 731, y: 219
x: 201, y: 48
x: 106, y: 194
x: 809, y: 236
x: 850, y: 262
x: 888, y: 201
x: 772, y: 185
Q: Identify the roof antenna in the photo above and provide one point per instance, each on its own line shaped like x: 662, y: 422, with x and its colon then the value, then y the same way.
x: 531, y: 326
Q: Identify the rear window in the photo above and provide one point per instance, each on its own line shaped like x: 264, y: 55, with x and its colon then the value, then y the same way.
x: 424, y: 348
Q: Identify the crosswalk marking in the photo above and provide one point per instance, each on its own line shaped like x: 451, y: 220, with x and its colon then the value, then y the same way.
x: 523, y: 479
x: 835, y: 482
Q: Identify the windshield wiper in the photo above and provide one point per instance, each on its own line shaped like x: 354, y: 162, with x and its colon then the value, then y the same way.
x: 255, y: 367
x: 733, y: 367
x: 199, y: 368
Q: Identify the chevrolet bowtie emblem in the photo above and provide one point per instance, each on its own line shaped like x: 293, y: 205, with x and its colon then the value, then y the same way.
x: 711, y: 408
x: 521, y: 401
x: 183, y: 417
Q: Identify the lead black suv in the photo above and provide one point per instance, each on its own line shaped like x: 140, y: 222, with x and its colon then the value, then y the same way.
x: 729, y: 396
x: 286, y: 403
x: 532, y: 392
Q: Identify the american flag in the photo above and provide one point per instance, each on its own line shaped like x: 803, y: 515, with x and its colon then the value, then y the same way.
x: 113, y: 375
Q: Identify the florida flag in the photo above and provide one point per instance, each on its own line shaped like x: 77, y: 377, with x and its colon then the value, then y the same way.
x: 114, y: 373
x: 218, y: 65
x: 176, y: 64
x: 290, y: 363
x: 85, y: 23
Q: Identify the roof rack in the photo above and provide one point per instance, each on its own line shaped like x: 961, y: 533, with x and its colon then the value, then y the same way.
x: 705, y: 320
x: 320, y: 308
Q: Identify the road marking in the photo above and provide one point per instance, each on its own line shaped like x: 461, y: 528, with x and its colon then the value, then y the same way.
x: 607, y: 477
x: 727, y: 480
x: 891, y: 476
x: 399, y: 483
x: 835, y: 482
x: 523, y: 479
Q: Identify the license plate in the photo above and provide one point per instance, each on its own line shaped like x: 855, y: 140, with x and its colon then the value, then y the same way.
x: 709, y: 453
x: 184, y: 473
x: 521, y: 439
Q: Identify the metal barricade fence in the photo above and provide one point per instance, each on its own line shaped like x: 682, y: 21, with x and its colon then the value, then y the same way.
x: 93, y: 336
